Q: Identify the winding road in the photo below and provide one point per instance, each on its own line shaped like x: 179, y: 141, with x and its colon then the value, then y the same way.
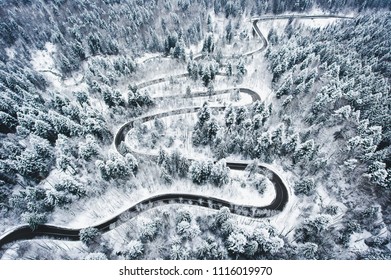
x: 278, y: 204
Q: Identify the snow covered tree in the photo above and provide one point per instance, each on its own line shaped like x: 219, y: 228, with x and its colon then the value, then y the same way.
x: 212, y: 129
x: 305, y: 151
x: 241, y: 70
x: 228, y: 69
x: 166, y: 177
x: 208, y: 45
x: 285, y: 88
x: 179, y: 50
x: 35, y: 162
x: 183, y: 215
x: 45, y: 130
x: 230, y: 116
x: 149, y: 230
x: 252, y: 168
x: 307, y: 251
x: 220, y: 173
x: 70, y: 186
x: 312, y: 228
x: 209, y: 24
x: 289, y: 146
x: 132, y: 163
x: 222, y: 216
x: 7, y: 123
x: 210, y: 249
x: 89, y: 235
x: 251, y: 248
x: 261, y: 149
x: 259, y: 182
x: 34, y: 219
x: 304, y: 186
x: 236, y: 243
x: 267, y: 241
x: 94, y: 43
x: 187, y: 230
x: 117, y: 167
x: 170, y: 43
x: 203, y: 114
x: 177, y: 252
x: 378, y: 174
x: 200, y: 171
x: 277, y: 139
x: 241, y: 115
x: 134, y: 250
x: 89, y: 149
x: 228, y: 32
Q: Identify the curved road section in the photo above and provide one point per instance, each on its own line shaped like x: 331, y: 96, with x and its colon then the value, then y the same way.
x: 282, y: 195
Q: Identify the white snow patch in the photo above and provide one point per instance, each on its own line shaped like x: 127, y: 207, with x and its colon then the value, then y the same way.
x: 43, y: 59
x: 357, y: 241
x: 10, y: 52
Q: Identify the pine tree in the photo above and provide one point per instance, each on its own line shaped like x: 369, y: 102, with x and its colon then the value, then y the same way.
x: 89, y: 235
x: 261, y: 150
x: 220, y: 173
x: 304, y: 186
x: 307, y: 250
x: 88, y: 149
x: 94, y: 43
x: 285, y: 88
x: 304, y: 151
x: 277, y: 138
x: 230, y: 116
x: 241, y: 115
x: 228, y: 32
x: 209, y: 24
x: 229, y: 69
x: 200, y: 171
x: 236, y: 243
x: 148, y: 231
x: 212, y: 129
x: 36, y: 161
x: 208, y: 45
x: 289, y: 146
x: 7, y: 123
x: 203, y: 114
x: 134, y: 250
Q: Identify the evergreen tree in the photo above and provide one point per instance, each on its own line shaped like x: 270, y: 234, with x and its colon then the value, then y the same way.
x: 200, y: 171
x: 134, y: 250
x: 304, y: 186
x: 208, y: 45
x: 307, y: 251
x: 89, y: 235
x: 289, y: 146
x: 220, y: 173
x: 228, y: 32
x: 229, y: 69
x: 305, y: 151
x: 230, y: 116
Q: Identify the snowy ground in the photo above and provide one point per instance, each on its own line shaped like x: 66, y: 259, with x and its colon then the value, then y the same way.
x: 45, y: 249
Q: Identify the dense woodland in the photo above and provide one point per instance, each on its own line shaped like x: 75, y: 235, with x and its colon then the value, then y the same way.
x: 328, y: 123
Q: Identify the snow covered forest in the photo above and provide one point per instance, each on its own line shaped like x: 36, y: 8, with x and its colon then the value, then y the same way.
x: 171, y: 129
